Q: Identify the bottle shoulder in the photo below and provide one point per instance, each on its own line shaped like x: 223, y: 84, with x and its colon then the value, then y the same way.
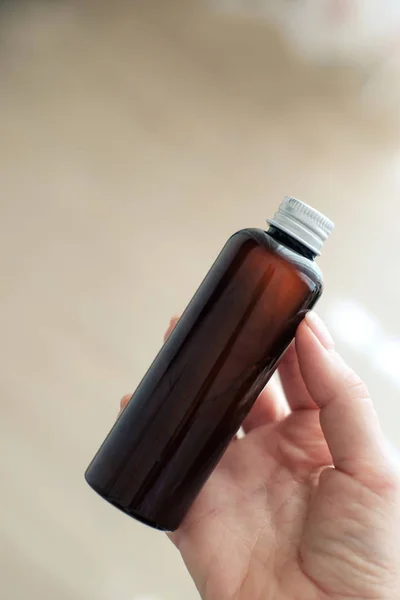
x: 304, y: 265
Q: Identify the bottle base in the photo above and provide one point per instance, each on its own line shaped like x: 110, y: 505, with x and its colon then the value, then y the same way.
x: 131, y: 513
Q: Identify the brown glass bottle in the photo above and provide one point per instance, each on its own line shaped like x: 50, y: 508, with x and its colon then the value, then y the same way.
x: 207, y: 376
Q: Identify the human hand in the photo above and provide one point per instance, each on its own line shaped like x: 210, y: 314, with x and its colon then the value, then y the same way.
x: 306, y: 506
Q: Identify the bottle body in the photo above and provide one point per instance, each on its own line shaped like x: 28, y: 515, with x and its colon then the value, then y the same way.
x: 205, y: 379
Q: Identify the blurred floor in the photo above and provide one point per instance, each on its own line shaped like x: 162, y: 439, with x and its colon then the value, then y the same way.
x: 134, y: 138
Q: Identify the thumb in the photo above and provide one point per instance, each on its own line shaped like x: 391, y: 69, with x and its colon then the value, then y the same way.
x: 348, y: 418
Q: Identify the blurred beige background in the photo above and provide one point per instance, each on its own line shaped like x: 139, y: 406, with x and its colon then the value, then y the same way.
x: 135, y: 137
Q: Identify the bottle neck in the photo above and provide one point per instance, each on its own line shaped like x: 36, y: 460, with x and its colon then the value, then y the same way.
x: 290, y: 242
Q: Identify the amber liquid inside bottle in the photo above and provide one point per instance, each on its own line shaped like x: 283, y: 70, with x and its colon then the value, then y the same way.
x: 207, y: 377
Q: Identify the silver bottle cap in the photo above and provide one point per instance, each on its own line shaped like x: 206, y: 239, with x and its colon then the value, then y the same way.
x: 303, y: 222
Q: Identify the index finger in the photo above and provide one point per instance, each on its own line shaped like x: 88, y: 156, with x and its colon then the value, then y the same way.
x: 348, y: 418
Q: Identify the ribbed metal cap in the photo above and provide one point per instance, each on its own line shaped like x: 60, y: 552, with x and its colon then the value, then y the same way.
x: 303, y: 222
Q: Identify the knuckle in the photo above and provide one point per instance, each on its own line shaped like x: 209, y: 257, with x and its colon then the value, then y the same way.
x: 171, y: 327
x: 357, y: 387
x: 388, y: 482
x: 124, y: 401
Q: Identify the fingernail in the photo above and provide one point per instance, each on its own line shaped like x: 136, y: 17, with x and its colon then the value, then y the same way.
x: 320, y: 330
